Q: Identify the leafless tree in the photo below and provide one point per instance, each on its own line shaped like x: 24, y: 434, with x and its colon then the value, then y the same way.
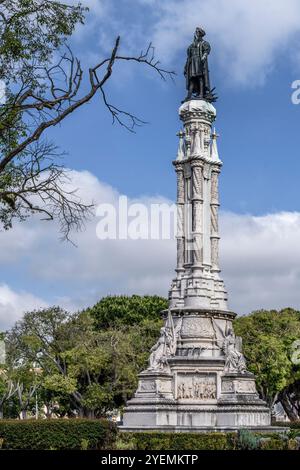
x: 31, y: 180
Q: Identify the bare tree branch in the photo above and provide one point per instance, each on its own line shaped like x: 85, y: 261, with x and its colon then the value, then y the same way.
x: 38, y: 185
x: 56, y: 104
x: 44, y: 94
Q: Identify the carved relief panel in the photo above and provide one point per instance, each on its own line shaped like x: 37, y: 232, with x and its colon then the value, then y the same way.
x: 196, y: 387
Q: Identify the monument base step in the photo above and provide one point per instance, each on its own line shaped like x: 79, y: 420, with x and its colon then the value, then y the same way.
x: 203, y: 429
x: 190, y: 417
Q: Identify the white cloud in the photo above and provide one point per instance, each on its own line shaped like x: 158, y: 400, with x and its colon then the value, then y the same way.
x: 99, y: 13
x: 259, y: 256
x: 261, y: 260
x: 13, y: 304
x: 248, y: 36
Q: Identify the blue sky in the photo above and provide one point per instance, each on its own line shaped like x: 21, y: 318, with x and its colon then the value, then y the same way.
x: 255, y: 58
x: 257, y: 122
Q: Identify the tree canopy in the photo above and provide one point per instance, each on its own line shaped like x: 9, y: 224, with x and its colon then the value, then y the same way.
x: 81, y: 364
x: 268, y: 338
x: 127, y: 310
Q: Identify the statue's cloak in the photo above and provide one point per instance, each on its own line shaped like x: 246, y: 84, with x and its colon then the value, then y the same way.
x: 194, y: 66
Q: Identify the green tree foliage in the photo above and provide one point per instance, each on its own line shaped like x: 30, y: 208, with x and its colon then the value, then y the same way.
x: 87, y: 364
x: 114, y: 311
x: 268, y: 337
x: 129, y: 326
x: 84, y: 364
x: 57, y: 434
x: 33, y: 29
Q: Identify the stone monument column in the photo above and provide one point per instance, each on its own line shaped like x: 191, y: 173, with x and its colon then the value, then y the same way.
x: 180, y: 219
x: 203, y: 286
x: 197, y: 377
x: 175, y: 293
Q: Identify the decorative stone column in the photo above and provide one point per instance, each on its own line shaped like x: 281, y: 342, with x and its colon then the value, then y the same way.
x: 214, y: 211
x: 197, y: 214
x: 176, y: 291
x: 180, y: 218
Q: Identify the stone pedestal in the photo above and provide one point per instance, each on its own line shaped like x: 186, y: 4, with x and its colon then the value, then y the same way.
x: 197, y: 377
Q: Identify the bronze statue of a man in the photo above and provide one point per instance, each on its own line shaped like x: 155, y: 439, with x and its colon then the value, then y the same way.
x: 196, y: 69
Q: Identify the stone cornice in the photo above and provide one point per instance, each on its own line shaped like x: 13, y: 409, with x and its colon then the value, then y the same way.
x: 194, y: 159
x: 199, y: 110
x: 204, y: 313
x: 198, y: 408
x: 178, y: 164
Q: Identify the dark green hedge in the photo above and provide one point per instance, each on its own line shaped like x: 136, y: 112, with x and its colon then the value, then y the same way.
x: 176, y: 441
x: 57, y: 434
x: 61, y: 434
x: 294, y: 425
x: 244, y: 440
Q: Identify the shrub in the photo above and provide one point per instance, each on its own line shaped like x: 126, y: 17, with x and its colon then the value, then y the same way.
x: 273, y: 443
x: 247, y: 440
x: 293, y: 425
x: 243, y: 440
x: 176, y: 441
x: 293, y: 444
x: 57, y: 434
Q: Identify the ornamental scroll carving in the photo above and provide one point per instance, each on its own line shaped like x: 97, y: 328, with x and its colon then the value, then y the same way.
x: 180, y: 185
x: 215, y: 252
x: 197, y: 182
x: 206, y: 136
x: 197, y: 250
x: 196, y: 148
x: 214, y: 188
x: 207, y: 172
x: 180, y: 252
x: 180, y: 220
x: 197, y: 216
x: 214, y: 220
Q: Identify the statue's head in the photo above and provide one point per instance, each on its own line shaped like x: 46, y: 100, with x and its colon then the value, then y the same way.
x: 199, y: 33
